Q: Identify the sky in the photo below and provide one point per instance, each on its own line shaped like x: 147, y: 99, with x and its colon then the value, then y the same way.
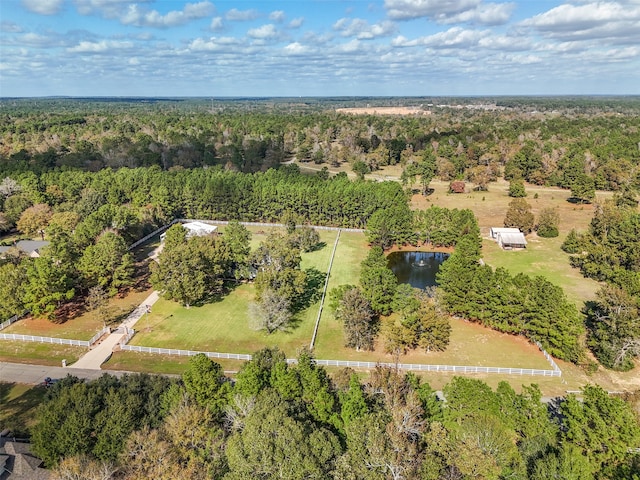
x: 173, y: 48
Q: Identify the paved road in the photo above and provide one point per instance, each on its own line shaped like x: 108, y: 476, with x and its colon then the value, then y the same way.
x: 102, y: 351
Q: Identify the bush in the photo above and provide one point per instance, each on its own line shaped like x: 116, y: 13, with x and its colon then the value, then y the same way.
x: 457, y: 186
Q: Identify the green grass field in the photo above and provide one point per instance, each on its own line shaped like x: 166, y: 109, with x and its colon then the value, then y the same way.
x: 39, y: 353
x: 161, y: 364
x: 544, y: 257
x: 223, y: 326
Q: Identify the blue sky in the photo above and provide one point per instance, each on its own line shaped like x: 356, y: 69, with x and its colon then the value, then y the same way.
x: 318, y: 48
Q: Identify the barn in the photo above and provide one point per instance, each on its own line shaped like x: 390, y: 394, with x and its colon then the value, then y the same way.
x: 508, y: 238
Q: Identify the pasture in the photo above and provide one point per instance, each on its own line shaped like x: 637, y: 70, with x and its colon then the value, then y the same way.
x: 223, y: 325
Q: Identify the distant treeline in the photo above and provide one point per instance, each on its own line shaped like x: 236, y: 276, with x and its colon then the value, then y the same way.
x: 546, y: 141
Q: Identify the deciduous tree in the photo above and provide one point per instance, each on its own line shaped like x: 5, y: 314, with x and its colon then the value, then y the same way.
x: 358, y: 319
x: 271, y: 312
x: 107, y: 263
x: 519, y: 215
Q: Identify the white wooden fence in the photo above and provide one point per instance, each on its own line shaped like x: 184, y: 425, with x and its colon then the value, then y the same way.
x: 264, y: 224
x: 549, y: 358
x: 324, y: 293
x: 34, y: 338
x: 54, y: 340
x: 349, y: 363
x: 8, y: 322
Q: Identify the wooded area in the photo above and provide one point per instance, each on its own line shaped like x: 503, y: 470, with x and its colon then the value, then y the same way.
x: 296, y: 421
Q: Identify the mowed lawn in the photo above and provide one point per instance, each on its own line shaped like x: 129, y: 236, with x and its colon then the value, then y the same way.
x: 544, y: 257
x: 39, y: 353
x: 18, y: 404
x: 160, y: 364
x: 223, y: 326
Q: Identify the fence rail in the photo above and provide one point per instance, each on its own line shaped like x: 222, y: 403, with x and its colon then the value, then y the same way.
x: 98, y: 335
x: 549, y: 358
x: 8, y: 322
x: 441, y: 368
x: 349, y: 363
x: 324, y: 292
x: 265, y: 224
x: 184, y: 353
x: 34, y: 338
x: 147, y: 237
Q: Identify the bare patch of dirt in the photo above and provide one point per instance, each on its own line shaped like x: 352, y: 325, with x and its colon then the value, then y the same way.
x: 384, y: 111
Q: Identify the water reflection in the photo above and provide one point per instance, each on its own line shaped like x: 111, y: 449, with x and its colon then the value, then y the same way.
x: 418, y: 269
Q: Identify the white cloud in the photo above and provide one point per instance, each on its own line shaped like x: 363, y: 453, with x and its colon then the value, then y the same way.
x: 106, y: 8
x: 213, y: 44
x: 616, y: 21
x: 43, y: 7
x: 361, y: 29
x: 10, y: 27
x: 483, y: 14
x: 38, y: 40
x: 236, y: 15
x: 139, y: 15
x: 296, y: 48
x: 217, y: 24
x: 296, y: 22
x: 454, y: 37
x: 277, y: 16
x: 408, y: 9
x: 264, y: 32
x: 349, y: 47
x: 99, y: 47
x: 451, y: 11
x: 505, y: 43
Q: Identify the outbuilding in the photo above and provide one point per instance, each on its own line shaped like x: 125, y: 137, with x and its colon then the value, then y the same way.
x: 495, y: 231
x: 195, y: 229
x: 509, y: 241
x: 30, y: 247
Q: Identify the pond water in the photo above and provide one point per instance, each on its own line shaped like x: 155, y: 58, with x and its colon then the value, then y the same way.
x: 418, y: 269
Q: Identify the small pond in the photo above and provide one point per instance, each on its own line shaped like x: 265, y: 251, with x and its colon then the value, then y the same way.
x: 418, y: 269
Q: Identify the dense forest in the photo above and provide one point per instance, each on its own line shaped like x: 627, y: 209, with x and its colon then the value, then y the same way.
x: 544, y: 141
x: 292, y: 421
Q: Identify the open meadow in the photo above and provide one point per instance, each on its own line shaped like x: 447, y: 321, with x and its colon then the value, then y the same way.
x: 543, y: 256
x: 223, y: 326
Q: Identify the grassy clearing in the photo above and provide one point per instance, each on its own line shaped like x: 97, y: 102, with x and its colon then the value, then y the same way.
x: 471, y: 344
x: 544, y: 257
x: 18, y: 403
x: 223, y: 326
x: 85, y: 324
x: 39, y: 353
x: 160, y: 364
x: 491, y: 206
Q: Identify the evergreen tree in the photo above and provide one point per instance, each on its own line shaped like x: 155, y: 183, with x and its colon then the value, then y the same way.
x: 516, y: 189
x: 548, y: 222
